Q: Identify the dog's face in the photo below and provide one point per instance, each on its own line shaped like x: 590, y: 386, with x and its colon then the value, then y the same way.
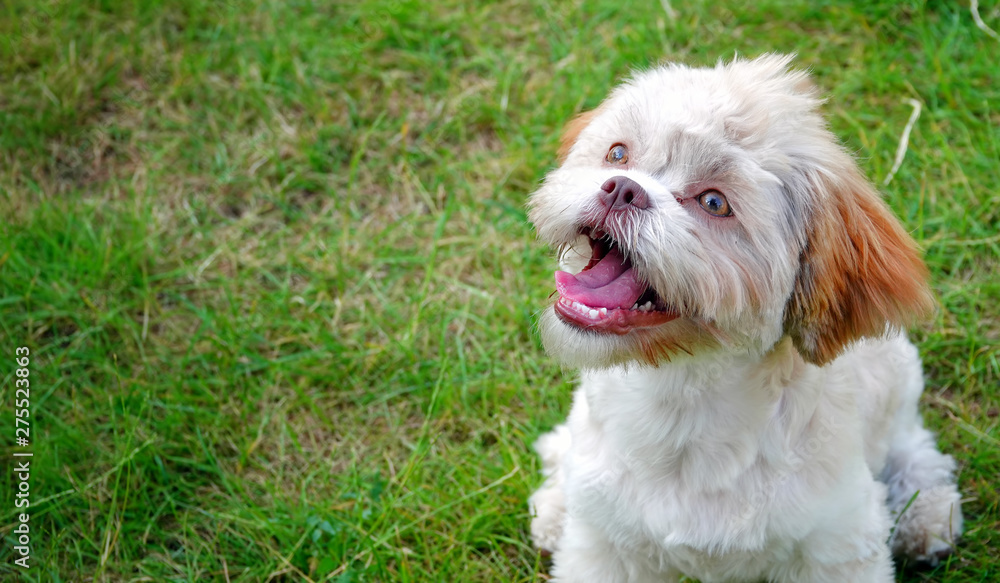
x: 703, y: 208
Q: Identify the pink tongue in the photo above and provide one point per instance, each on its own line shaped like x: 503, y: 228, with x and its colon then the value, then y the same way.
x: 612, y: 283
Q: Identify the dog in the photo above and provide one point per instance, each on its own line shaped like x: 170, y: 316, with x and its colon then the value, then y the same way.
x: 734, y: 293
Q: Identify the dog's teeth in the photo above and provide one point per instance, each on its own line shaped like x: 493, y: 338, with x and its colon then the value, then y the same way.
x: 584, y: 310
x: 648, y: 306
x: 635, y: 306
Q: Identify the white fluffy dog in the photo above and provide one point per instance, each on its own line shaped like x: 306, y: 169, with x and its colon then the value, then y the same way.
x: 733, y: 292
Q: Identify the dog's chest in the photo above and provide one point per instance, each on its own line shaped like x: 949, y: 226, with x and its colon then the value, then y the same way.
x: 658, y: 506
x: 710, y: 506
x: 724, y: 535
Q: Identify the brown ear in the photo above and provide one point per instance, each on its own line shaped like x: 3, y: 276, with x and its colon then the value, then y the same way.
x: 572, y: 131
x: 860, y: 272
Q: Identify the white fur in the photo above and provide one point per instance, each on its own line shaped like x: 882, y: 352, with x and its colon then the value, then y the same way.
x: 734, y: 460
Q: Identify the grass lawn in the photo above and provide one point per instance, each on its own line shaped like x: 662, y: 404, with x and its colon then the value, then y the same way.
x: 272, y: 264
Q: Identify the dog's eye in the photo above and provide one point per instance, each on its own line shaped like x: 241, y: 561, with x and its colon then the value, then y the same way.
x: 618, y: 154
x: 714, y: 203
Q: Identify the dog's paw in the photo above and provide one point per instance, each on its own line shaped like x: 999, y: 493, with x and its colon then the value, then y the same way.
x: 547, y: 504
x: 549, y: 514
x: 928, y: 529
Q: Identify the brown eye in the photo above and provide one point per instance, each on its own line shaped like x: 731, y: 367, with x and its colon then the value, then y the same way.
x: 618, y: 154
x: 714, y: 203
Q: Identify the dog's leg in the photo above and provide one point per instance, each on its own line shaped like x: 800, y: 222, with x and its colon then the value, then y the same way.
x: 876, y: 569
x: 548, y: 504
x: 923, y: 497
x: 579, y: 552
x: 586, y: 556
x: 850, y: 545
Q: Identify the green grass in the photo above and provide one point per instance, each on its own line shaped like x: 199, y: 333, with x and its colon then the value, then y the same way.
x: 273, y: 266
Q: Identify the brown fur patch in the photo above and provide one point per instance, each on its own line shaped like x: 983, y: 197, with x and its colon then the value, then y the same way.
x: 860, y: 271
x: 660, y: 346
x: 572, y: 131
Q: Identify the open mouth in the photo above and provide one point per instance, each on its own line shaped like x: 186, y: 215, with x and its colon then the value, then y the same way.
x: 608, y: 295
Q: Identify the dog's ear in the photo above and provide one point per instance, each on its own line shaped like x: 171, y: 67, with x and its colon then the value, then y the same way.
x: 572, y: 131
x: 860, y: 273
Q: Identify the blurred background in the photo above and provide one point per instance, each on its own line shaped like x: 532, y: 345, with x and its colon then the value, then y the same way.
x: 272, y: 263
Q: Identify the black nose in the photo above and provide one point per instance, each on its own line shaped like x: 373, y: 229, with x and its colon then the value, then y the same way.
x: 619, y: 193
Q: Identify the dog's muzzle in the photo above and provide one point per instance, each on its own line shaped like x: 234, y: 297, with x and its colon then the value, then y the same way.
x: 609, y: 295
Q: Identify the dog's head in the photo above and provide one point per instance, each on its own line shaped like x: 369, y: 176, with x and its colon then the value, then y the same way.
x: 701, y: 208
